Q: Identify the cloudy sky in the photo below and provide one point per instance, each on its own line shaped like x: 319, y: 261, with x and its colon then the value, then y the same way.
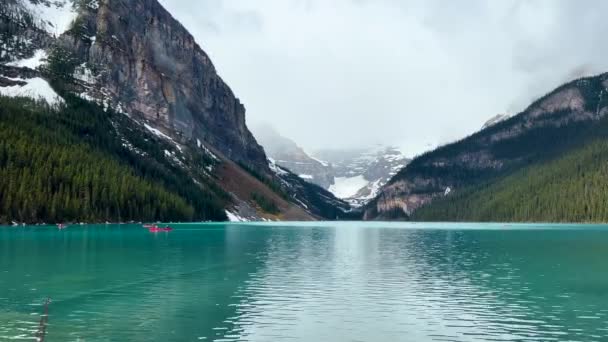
x: 350, y: 73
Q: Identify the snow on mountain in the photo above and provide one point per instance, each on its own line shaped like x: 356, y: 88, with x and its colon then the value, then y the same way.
x: 360, y: 173
x: 33, y: 62
x: 279, y: 171
x: 232, y: 217
x: 348, y: 187
x: 35, y: 87
x: 55, y: 17
x: 23, y: 50
x: 289, y: 155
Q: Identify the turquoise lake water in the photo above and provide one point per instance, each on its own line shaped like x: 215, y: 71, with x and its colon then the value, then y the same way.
x: 306, y: 282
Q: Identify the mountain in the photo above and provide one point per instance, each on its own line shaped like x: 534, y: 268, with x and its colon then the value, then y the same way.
x: 354, y: 175
x: 571, y: 188
x: 125, y: 84
x: 360, y: 173
x: 498, y: 118
x: 521, y: 168
x: 288, y: 154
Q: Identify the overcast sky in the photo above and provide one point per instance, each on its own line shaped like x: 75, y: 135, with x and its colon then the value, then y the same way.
x: 350, y: 73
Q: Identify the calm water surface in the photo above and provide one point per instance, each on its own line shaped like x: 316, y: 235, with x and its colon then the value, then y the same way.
x: 307, y: 282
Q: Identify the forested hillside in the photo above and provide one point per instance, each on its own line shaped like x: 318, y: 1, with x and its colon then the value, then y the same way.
x: 573, y: 188
x: 77, y: 162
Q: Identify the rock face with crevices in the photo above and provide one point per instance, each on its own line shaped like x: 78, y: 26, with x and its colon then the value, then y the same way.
x: 134, y: 56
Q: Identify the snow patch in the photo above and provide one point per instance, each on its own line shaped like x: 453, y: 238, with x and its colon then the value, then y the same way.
x: 56, y: 17
x: 374, y: 189
x: 232, y: 217
x: 157, y: 132
x: 276, y: 168
x: 93, y: 4
x: 307, y: 177
x: 171, y: 156
x: 33, y: 62
x: 346, y: 187
x: 162, y: 135
x: 35, y: 88
x: 84, y: 74
x: 208, y: 151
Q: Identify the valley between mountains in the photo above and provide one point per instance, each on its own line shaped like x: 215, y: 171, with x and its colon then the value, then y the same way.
x: 110, y: 111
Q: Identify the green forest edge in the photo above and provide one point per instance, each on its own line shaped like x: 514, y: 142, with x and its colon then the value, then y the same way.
x: 69, y: 163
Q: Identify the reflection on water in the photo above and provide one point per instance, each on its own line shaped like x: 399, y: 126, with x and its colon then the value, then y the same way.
x: 312, y: 282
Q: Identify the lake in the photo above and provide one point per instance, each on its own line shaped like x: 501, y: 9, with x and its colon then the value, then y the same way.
x: 306, y: 282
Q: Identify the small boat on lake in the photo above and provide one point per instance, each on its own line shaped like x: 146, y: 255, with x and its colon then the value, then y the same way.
x: 159, y: 229
x: 153, y: 228
x: 61, y: 226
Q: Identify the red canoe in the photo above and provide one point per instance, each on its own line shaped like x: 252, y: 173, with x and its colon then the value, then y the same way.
x: 158, y: 229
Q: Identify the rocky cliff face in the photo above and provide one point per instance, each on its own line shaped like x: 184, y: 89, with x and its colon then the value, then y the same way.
x: 544, y: 128
x: 134, y: 57
x: 148, y: 65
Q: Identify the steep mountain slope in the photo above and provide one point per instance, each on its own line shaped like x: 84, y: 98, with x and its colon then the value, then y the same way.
x: 360, y: 173
x: 134, y: 62
x: 551, y: 127
x: 148, y: 65
x: 572, y: 188
x: 76, y: 162
x: 496, y: 119
x: 314, y: 198
x: 288, y: 154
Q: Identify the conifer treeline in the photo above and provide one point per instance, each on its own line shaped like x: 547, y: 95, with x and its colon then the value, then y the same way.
x: 572, y: 188
x: 70, y: 165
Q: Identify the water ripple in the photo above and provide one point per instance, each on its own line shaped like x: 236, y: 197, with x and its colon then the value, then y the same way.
x: 336, y: 283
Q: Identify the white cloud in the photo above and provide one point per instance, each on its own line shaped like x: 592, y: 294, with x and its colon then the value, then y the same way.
x: 358, y: 72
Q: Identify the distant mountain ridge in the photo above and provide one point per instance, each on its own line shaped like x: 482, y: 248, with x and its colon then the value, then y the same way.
x: 355, y: 175
x: 557, y: 124
x: 288, y: 154
x: 361, y: 173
